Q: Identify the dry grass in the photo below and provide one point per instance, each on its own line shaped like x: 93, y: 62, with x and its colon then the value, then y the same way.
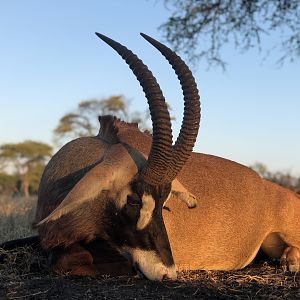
x: 16, y: 217
x: 24, y: 274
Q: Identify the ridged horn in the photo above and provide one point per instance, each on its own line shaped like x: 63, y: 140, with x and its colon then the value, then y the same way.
x: 186, y: 139
x: 161, y: 148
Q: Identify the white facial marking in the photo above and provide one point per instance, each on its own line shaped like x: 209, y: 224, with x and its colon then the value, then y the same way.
x: 151, y: 265
x: 148, y: 205
x: 169, y: 196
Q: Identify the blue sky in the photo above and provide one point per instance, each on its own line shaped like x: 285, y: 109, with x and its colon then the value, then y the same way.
x: 50, y: 59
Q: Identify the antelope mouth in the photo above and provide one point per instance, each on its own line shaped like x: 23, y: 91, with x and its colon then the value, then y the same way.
x: 140, y: 274
x: 148, y: 265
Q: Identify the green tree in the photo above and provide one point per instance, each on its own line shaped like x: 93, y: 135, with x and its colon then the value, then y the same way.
x: 27, y: 160
x: 201, y: 28
x: 83, y: 121
x: 8, y: 183
x: 35, y: 176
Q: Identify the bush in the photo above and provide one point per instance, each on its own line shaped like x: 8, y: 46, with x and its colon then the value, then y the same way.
x: 284, y: 179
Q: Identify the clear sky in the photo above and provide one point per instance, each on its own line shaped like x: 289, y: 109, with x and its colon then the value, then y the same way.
x: 50, y: 59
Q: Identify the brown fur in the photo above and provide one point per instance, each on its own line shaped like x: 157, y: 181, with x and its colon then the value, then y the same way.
x: 237, y: 210
x: 236, y: 213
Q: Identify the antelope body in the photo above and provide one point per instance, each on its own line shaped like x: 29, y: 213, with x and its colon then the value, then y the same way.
x: 91, y: 185
x: 237, y: 214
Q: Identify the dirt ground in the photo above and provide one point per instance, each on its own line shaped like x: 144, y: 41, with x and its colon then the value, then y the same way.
x: 24, y: 275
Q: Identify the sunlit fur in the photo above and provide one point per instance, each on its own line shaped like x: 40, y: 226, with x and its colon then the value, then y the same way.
x: 237, y: 212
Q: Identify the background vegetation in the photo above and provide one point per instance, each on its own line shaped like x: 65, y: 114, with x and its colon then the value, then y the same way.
x: 200, y: 29
x: 16, y: 217
x: 22, y: 163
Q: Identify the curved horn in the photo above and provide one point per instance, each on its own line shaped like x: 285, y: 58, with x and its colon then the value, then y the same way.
x: 191, y: 118
x: 160, y: 153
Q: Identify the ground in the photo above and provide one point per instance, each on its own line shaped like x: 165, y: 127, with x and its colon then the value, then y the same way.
x: 24, y: 275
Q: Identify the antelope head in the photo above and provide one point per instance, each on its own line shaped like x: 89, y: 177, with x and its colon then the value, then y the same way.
x: 121, y: 198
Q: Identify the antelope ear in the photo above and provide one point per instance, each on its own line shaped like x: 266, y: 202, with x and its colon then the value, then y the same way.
x: 108, y: 129
x: 181, y: 193
x: 111, y: 128
x: 111, y: 175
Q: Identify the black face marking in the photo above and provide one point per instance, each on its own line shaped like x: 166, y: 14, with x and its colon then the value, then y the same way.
x: 120, y: 225
x: 159, y: 193
x: 167, y: 208
x: 134, y: 200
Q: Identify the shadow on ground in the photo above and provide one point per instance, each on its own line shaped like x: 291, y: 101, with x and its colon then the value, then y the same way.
x: 24, y: 275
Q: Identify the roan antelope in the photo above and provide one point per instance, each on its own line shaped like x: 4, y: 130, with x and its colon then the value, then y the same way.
x: 96, y: 198
x: 103, y: 187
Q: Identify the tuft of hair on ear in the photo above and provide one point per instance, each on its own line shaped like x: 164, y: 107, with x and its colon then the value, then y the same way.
x: 111, y: 127
x: 108, y: 129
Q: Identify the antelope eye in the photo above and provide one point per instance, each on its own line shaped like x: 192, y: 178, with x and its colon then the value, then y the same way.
x: 134, y: 200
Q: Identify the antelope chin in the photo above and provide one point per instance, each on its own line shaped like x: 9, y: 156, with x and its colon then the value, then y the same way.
x: 148, y: 263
